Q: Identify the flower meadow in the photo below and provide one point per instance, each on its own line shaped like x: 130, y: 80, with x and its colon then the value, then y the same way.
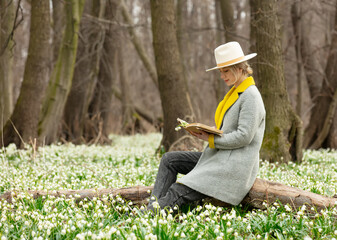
x: 130, y: 161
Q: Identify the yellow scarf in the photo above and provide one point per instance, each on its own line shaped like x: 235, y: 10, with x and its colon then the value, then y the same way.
x: 230, y: 99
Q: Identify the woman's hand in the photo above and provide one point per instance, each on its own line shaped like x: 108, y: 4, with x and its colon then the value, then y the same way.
x: 201, y: 135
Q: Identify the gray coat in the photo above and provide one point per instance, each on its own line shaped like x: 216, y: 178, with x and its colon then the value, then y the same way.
x: 228, y: 171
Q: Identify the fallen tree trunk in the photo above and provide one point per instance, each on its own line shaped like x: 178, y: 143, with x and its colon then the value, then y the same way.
x: 263, y: 191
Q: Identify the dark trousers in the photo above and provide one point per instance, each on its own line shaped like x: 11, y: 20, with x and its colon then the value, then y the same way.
x: 166, y: 191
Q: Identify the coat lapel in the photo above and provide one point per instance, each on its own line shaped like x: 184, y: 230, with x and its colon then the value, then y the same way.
x: 230, y: 99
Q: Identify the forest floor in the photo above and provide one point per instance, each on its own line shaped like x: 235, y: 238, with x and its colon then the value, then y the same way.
x: 130, y: 161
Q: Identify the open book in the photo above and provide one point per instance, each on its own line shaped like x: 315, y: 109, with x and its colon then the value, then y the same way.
x: 197, y: 127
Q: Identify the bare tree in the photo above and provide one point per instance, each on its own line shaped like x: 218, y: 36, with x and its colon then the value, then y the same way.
x: 174, y: 96
x: 58, y: 26
x: 61, y: 79
x: 98, y: 124
x: 137, y: 43
x: 7, y: 20
x: 282, y: 139
x: 23, y: 124
x: 321, y: 131
x: 227, y: 16
x: 86, y: 71
x: 296, y: 20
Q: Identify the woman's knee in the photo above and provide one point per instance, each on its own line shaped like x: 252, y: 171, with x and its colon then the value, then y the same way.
x: 169, y: 157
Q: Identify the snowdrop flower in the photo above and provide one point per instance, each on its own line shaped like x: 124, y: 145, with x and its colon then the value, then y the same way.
x: 287, y: 208
x: 170, y: 217
x: 155, y: 205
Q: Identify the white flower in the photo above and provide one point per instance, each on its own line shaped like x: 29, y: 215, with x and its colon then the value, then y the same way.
x: 182, y: 235
x: 155, y: 205
x: 287, y: 208
x: 170, y: 217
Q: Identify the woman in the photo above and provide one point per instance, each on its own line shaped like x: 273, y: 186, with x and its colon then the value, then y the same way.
x: 228, y: 167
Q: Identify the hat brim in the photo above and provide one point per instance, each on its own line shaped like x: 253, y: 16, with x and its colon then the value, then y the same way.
x: 246, y: 58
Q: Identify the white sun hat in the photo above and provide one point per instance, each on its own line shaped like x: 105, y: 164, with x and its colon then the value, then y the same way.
x: 229, y: 54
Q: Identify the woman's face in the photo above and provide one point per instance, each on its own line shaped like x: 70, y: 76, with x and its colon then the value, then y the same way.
x: 228, y: 76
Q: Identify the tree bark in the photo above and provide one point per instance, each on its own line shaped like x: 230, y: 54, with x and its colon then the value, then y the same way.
x: 86, y: 72
x: 129, y: 117
x: 319, y: 133
x: 7, y: 19
x: 227, y: 16
x: 220, y: 86
x: 23, y: 124
x: 58, y: 27
x: 296, y: 21
x: 61, y: 79
x: 183, y: 43
x: 263, y: 192
x: 283, y: 135
x: 173, y: 93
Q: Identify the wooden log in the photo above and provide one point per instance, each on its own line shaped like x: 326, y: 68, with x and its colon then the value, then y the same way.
x: 263, y: 192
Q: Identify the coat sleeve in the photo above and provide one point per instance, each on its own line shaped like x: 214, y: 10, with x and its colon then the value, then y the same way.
x: 250, y: 117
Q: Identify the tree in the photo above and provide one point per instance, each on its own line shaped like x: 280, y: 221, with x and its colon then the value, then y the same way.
x: 227, y: 16
x: 7, y: 20
x: 98, y: 124
x: 86, y: 72
x: 137, y: 43
x: 61, y: 79
x: 282, y: 140
x: 173, y: 93
x: 58, y: 26
x: 322, y: 128
x: 23, y: 124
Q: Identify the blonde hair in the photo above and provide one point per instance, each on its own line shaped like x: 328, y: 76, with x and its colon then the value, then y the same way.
x: 246, y: 69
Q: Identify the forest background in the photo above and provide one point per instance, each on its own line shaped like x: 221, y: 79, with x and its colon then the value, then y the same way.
x: 77, y: 71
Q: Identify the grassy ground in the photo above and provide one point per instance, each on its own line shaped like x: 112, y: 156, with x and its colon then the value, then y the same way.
x: 132, y: 161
